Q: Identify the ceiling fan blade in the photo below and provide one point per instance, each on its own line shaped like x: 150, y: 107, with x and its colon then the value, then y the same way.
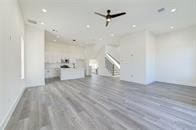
x: 116, y: 15
x: 107, y: 23
x: 100, y: 14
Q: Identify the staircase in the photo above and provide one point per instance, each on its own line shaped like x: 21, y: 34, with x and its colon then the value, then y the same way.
x: 116, y: 73
x: 112, y: 65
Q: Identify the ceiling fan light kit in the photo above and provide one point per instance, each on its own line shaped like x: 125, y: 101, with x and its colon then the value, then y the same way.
x: 109, y: 16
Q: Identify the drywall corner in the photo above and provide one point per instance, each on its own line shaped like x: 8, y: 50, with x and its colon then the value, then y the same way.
x: 34, y: 56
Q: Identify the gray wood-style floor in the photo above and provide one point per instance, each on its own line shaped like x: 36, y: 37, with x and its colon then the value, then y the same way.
x: 103, y: 103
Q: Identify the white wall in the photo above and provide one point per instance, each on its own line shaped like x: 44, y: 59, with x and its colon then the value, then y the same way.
x: 11, y: 86
x: 150, y: 57
x: 168, y: 57
x: 138, y: 51
x: 34, y: 58
x: 176, y: 57
x: 56, y: 51
x: 132, y: 53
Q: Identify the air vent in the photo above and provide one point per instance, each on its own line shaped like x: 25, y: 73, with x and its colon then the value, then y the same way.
x: 32, y: 21
x: 161, y: 10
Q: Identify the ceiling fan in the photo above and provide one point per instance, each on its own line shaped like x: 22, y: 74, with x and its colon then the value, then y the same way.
x: 109, y: 16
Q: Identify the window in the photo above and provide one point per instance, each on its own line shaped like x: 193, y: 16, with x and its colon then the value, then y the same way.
x: 22, y: 56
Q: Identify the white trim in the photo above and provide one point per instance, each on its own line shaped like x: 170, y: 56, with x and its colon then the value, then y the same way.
x: 177, y: 83
x: 22, y: 51
x: 10, y: 112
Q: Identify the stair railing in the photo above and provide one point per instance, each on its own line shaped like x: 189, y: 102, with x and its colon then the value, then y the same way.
x: 113, y: 60
x: 109, y: 66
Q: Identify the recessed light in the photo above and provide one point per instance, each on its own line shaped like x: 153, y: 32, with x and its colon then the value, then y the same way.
x: 54, y: 40
x: 44, y: 10
x: 133, y: 26
x: 88, y: 26
x: 111, y: 34
x: 42, y: 23
x: 171, y: 27
x: 173, y: 10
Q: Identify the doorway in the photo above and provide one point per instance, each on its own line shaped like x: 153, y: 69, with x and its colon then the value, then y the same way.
x: 94, y: 66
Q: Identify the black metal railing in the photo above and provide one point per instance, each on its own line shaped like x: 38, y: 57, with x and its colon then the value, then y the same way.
x: 109, y: 66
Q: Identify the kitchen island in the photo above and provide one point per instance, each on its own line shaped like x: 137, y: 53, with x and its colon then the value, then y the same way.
x: 72, y: 73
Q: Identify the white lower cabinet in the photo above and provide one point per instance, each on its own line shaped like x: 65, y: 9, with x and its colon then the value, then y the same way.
x: 52, y: 73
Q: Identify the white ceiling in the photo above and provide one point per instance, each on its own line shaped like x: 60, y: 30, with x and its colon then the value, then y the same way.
x: 70, y: 17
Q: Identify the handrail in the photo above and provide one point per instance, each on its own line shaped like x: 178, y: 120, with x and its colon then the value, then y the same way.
x: 113, y: 58
x: 110, y: 58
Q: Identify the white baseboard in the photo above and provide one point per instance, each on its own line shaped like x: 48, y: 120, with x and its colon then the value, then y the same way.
x: 10, y: 111
x: 178, y: 83
x: 167, y: 82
